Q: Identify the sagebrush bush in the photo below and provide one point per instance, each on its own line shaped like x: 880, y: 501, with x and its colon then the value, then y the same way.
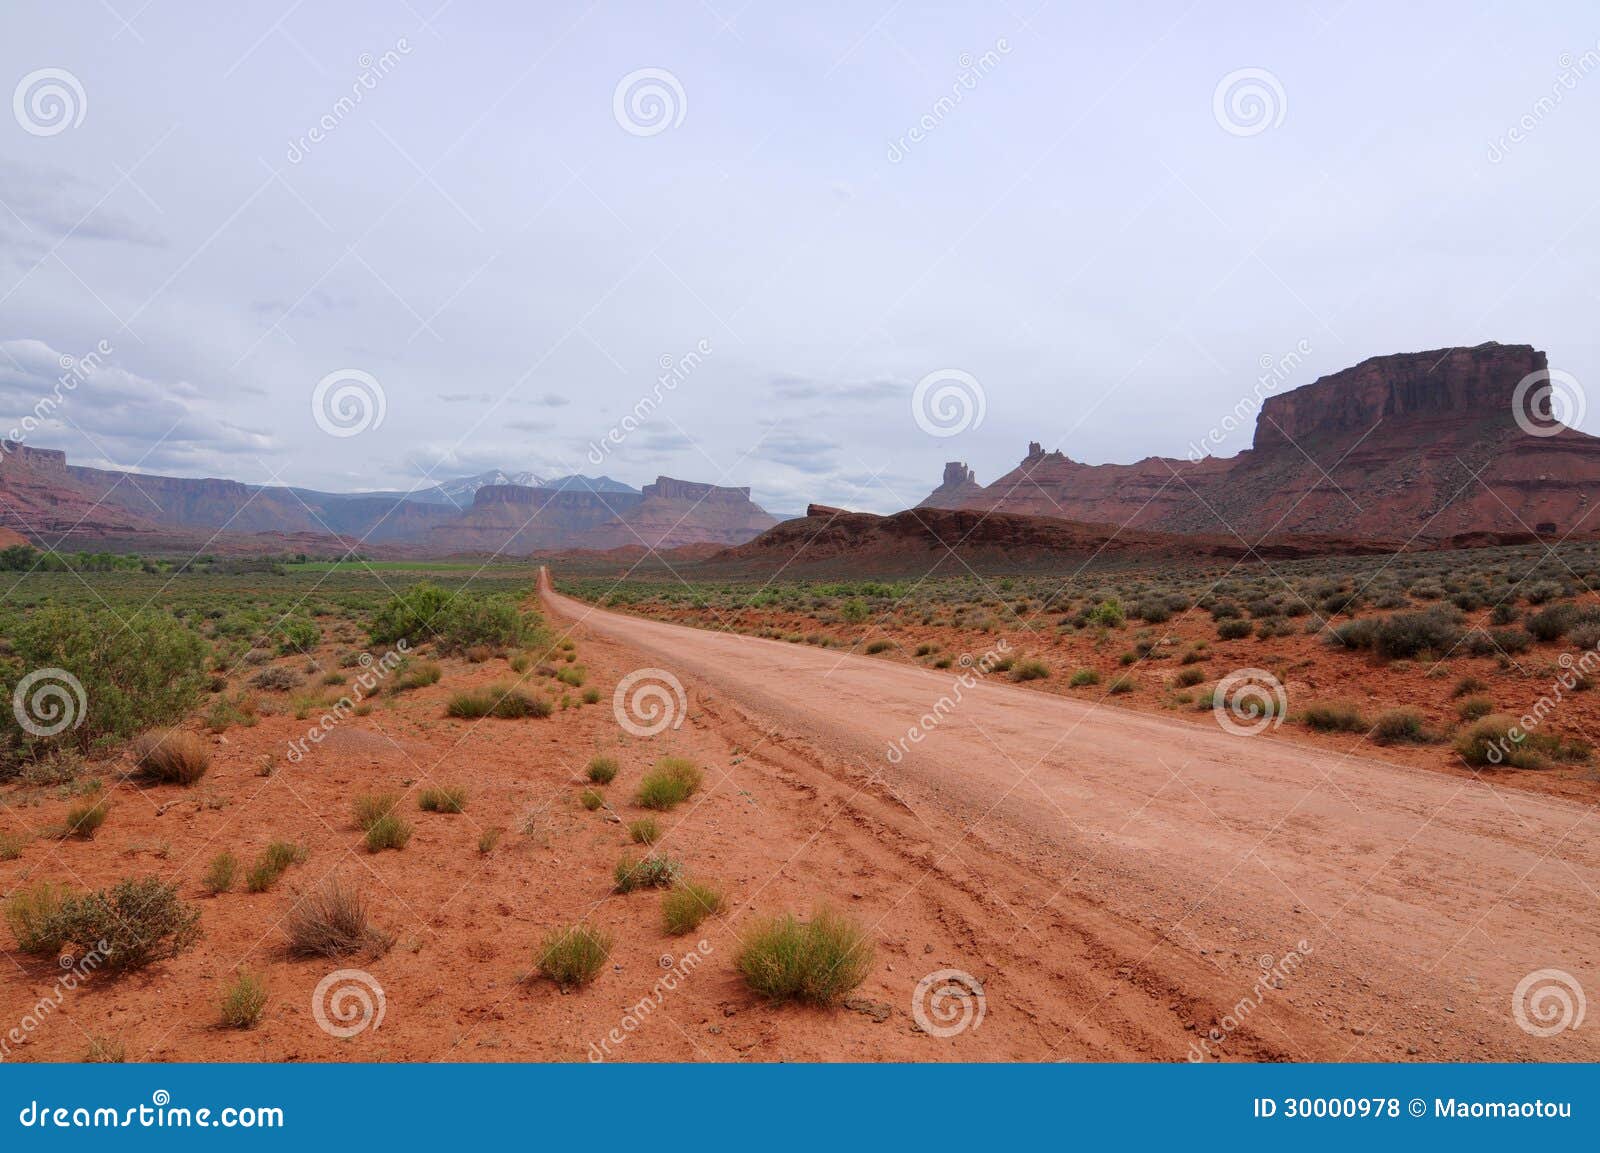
x: 1402, y: 725
x: 686, y: 905
x: 172, y: 757
x: 672, y: 781
x: 1084, y: 677
x: 573, y: 957
x: 817, y: 961
x: 1436, y: 630
x: 140, y: 922
x: 1334, y: 717
x: 1497, y: 741
x: 425, y: 612
x: 333, y: 921
x: 137, y: 673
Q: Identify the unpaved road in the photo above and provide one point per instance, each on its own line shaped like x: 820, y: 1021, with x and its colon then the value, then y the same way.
x: 1143, y: 887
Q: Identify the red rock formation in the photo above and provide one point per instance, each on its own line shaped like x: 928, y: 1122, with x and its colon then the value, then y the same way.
x: 1419, y: 444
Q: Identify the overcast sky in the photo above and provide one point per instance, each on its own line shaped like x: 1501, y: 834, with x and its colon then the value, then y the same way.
x: 1105, y: 238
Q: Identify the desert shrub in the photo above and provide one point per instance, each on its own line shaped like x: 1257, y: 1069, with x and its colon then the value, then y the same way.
x: 84, y: 819
x: 1084, y: 677
x: 1152, y: 611
x: 370, y: 808
x: 1108, y: 613
x: 388, y: 832
x: 425, y: 612
x: 488, y: 839
x: 172, y: 757
x: 243, y: 1002
x: 297, y: 635
x: 140, y: 921
x: 1435, y: 630
x: 105, y: 1051
x: 220, y: 873
x: 1498, y: 741
x: 11, y: 846
x: 817, y: 961
x: 273, y: 862
x: 31, y: 914
x: 574, y: 956
x: 1334, y: 717
x: 672, y: 781
x: 1189, y: 677
x: 415, y: 675
x: 644, y: 831
x: 573, y: 676
x: 333, y: 921
x: 924, y: 650
x: 1474, y: 708
x: 1233, y: 630
x: 276, y: 679
x: 1467, y: 685
x: 1120, y: 685
x: 137, y: 673
x: 591, y: 696
x: 1030, y: 670
x: 876, y: 647
x: 591, y: 799
x: 602, y: 770
x: 1550, y: 623
x: 443, y: 799
x: 688, y: 903
x: 409, y: 616
x: 1396, y: 726
x: 469, y: 704
x: 1498, y: 642
x: 649, y: 872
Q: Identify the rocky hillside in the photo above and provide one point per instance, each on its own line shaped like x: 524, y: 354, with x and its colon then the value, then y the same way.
x: 1419, y: 444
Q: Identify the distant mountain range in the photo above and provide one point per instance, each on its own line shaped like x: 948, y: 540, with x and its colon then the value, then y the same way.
x: 54, y: 503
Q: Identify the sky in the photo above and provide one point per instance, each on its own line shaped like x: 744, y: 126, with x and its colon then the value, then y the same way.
x: 816, y: 249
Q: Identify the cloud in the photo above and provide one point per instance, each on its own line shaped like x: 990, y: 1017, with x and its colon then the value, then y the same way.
x: 44, y: 206
x: 103, y: 414
x: 791, y: 387
x: 812, y: 455
x: 466, y: 398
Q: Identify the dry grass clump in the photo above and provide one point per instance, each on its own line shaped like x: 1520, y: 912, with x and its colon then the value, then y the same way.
x: 1334, y: 717
x: 602, y: 770
x: 649, y: 872
x: 415, y: 675
x: 574, y: 956
x: 220, y: 873
x: 644, y: 831
x: 670, y: 783
x: 443, y: 799
x: 172, y: 757
x: 488, y: 839
x: 507, y: 704
x: 687, y: 905
x: 274, y: 860
x: 816, y: 961
x: 1400, y: 726
x: 84, y: 818
x: 243, y: 1002
x: 333, y: 921
x: 31, y: 915
x: 370, y: 808
x: 388, y: 832
x: 592, y: 799
x: 1029, y: 671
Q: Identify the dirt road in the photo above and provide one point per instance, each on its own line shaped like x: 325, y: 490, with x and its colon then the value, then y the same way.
x: 1135, y: 886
